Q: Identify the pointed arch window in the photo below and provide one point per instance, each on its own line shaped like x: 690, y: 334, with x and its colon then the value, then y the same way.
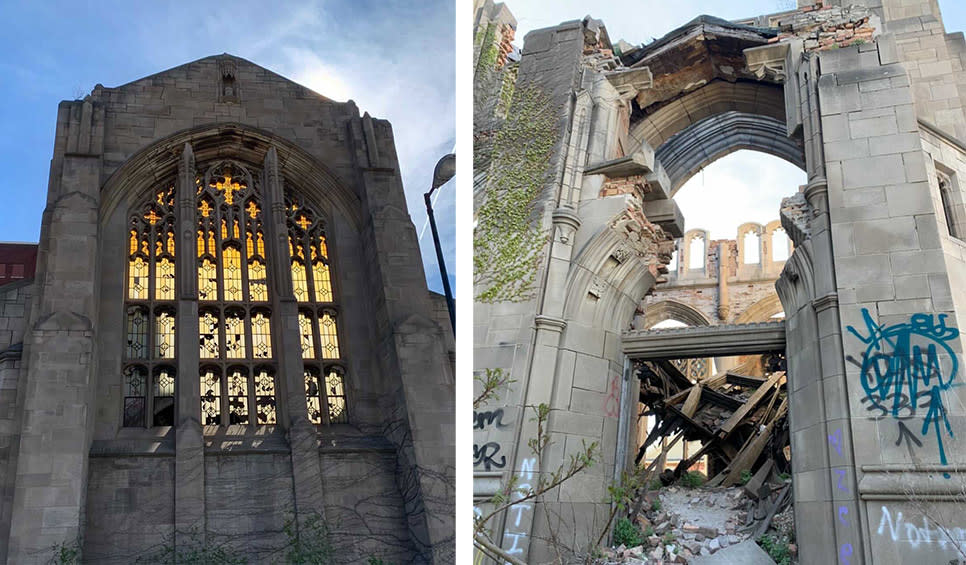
x: 238, y: 369
x: 319, y: 321
x: 235, y: 321
x: 148, y: 379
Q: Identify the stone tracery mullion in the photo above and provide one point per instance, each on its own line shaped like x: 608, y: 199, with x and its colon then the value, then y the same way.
x: 148, y: 312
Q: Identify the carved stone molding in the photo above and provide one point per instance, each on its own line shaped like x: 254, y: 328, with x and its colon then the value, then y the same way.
x: 597, y: 287
x: 823, y: 303
x: 768, y: 61
x: 550, y: 323
x: 566, y: 223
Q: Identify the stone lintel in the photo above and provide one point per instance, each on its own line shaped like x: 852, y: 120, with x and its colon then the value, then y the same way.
x: 666, y: 214
x: 640, y: 162
x: 628, y: 82
x: 704, y: 341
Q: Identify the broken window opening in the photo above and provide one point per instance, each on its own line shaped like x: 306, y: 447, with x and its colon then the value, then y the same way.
x: 727, y: 426
x: 752, y: 248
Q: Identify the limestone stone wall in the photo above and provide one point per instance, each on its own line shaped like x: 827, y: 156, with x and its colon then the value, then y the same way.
x: 14, y: 304
x: 130, y: 508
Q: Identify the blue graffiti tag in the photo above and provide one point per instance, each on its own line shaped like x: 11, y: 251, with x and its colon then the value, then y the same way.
x: 900, y: 358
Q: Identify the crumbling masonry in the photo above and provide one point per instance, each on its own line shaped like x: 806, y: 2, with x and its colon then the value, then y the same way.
x: 867, y: 97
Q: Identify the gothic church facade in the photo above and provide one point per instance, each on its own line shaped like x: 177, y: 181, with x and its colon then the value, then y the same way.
x: 229, y: 340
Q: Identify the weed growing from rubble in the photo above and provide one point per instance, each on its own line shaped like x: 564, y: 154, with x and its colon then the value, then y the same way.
x: 744, y: 478
x: 627, y: 534
x: 777, y: 548
x: 656, y: 505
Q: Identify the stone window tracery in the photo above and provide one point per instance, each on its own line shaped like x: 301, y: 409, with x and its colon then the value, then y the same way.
x: 318, y: 316
x: 235, y: 322
x: 148, y: 379
x: 237, y: 369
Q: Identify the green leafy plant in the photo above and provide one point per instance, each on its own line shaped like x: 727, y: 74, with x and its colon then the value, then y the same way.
x: 628, y: 534
x: 192, y: 549
x: 776, y: 548
x: 745, y: 477
x: 65, y: 554
x: 656, y: 505
x: 668, y: 538
x: 508, y: 240
x: 692, y: 479
x: 308, y: 542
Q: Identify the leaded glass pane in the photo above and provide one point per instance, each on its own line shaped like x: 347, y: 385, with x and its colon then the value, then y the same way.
x: 164, y: 280
x: 207, y: 280
x: 137, y: 333
x: 261, y: 336
x: 300, y: 287
x: 164, y: 335
x: 323, y: 285
x: 312, y: 397
x: 308, y: 336
x: 208, y: 335
x: 328, y: 337
x: 163, y: 397
x: 137, y: 285
x: 335, y: 395
x: 265, y: 397
x: 210, y: 398
x: 235, y: 335
x: 232, y: 274
x: 257, y: 281
x: 135, y: 379
x: 237, y: 397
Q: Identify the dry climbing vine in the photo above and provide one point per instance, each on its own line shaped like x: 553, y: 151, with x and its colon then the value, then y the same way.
x: 508, y: 240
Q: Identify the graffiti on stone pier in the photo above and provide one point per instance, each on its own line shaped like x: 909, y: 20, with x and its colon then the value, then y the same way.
x: 903, y: 375
x: 488, y: 454
x: 900, y: 529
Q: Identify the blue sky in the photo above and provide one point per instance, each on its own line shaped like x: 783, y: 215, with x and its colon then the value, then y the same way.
x: 394, y: 58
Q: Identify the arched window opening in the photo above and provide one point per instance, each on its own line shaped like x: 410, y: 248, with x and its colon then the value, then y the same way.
x: 233, y: 285
x: 696, y: 253
x: 752, y: 249
x: 318, y: 318
x: 779, y: 245
x: 148, y: 386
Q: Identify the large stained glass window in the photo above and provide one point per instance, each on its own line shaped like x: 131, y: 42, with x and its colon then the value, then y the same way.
x: 148, y: 379
x: 236, y: 345
x: 318, y: 315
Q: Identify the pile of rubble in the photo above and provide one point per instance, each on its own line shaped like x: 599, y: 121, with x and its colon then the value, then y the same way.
x: 683, y: 525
